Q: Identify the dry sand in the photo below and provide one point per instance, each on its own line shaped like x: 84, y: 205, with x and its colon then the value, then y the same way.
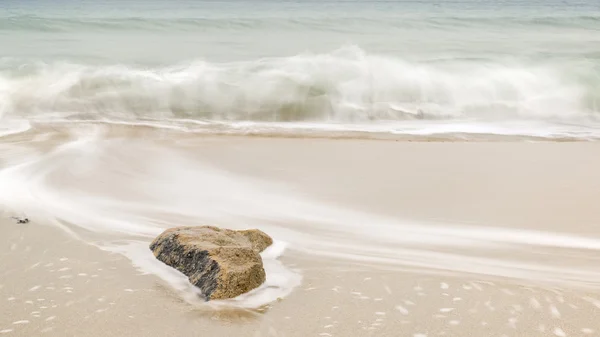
x: 53, y: 284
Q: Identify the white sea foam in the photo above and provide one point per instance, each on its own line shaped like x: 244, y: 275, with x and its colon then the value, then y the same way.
x: 347, y: 90
x: 11, y: 127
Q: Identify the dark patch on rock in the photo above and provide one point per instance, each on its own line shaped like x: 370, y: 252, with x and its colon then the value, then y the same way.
x: 223, y: 263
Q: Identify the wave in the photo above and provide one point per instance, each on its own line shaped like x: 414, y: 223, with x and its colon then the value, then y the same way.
x: 345, y: 86
x: 312, y: 22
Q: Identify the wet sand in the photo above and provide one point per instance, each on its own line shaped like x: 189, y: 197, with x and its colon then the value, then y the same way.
x: 476, y: 239
x: 56, y: 286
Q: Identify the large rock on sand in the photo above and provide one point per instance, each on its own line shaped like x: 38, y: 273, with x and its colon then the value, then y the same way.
x: 223, y: 263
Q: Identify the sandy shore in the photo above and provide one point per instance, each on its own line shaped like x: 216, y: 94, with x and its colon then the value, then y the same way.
x: 55, y: 286
x: 494, y: 239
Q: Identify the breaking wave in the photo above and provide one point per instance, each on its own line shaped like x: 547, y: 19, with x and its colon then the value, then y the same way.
x: 347, y: 86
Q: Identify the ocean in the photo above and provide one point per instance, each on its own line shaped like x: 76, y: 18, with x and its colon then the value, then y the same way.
x: 452, y: 68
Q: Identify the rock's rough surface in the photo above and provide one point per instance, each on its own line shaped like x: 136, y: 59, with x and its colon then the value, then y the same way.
x: 223, y: 263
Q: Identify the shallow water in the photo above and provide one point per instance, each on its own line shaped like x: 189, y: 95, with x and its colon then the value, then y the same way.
x: 119, y: 187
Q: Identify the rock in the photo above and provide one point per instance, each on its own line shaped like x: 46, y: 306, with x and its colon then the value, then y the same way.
x: 223, y: 263
x: 258, y: 239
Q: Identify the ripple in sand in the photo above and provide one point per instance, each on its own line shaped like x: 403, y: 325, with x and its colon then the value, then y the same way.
x: 559, y: 332
x: 21, y: 322
x: 402, y: 310
x: 534, y: 303
x: 554, y: 311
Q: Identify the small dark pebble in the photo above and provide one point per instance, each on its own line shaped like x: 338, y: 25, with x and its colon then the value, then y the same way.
x: 21, y: 220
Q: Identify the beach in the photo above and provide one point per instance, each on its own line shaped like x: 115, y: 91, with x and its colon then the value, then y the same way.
x: 424, y: 168
x: 389, y: 237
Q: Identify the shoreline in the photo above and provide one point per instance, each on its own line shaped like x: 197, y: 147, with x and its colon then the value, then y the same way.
x: 334, y: 298
x: 471, y: 233
x: 205, y: 130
